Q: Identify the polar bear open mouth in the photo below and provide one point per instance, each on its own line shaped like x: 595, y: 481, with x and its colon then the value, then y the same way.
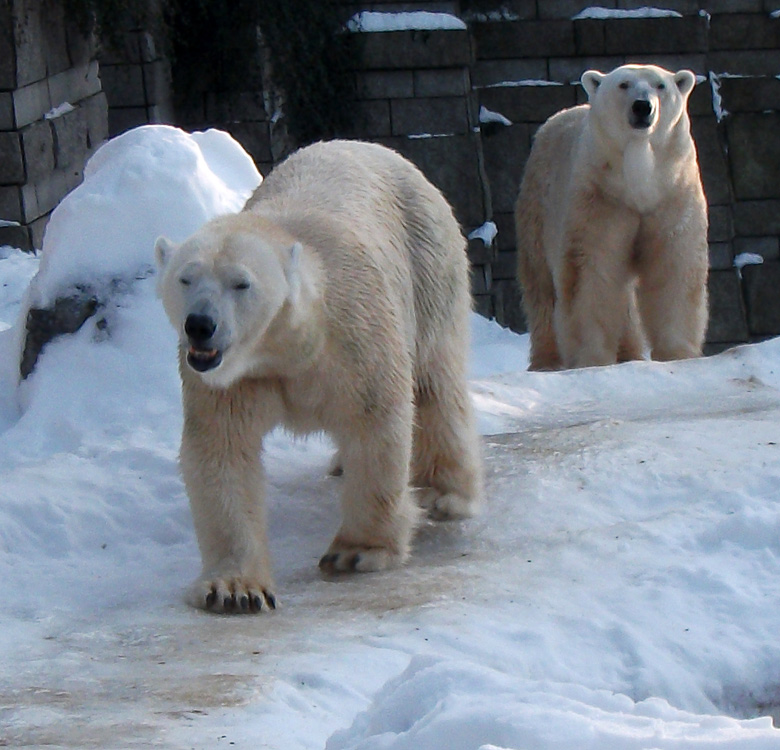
x: 203, y: 359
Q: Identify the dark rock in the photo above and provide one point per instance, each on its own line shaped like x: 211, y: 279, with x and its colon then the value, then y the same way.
x: 66, y: 316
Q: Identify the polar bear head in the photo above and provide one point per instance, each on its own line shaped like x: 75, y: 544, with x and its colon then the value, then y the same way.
x: 222, y: 288
x: 638, y: 101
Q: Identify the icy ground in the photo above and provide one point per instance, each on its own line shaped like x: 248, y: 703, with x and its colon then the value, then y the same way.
x: 621, y: 590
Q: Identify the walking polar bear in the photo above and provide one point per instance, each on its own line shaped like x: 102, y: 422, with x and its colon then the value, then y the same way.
x: 611, y: 225
x: 337, y: 300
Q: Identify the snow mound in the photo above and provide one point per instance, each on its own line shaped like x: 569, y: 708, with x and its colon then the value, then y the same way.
x: 149, y: 181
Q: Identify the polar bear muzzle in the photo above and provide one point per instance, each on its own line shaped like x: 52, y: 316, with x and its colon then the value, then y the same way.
x: 642, y: 114
x: 200, y: 329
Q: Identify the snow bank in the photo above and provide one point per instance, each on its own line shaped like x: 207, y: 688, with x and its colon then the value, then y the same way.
x: 149, y: 181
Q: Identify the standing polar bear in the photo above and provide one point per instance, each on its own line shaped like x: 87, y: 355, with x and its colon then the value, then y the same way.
x: 611, y: 225
x: 337, y: 300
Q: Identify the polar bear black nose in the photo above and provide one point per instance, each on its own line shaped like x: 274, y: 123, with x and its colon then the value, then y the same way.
x: 199, y: 327
x: 641, y: 108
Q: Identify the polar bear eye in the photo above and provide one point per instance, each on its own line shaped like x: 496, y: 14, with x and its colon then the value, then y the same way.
x: 184, y: 281
x: 624, y: 85
x: 241, y: 286
x: 661, y: 86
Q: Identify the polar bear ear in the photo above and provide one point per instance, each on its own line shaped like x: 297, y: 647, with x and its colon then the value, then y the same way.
x: 685, y: 80
x: 292, y: 271
x: 591, y: 80
x: 163, y: 251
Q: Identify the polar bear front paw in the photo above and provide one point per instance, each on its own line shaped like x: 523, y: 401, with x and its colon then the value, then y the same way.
x: 232, y: 595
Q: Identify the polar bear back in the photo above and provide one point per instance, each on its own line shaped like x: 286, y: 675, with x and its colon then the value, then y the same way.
x: 415, y: 253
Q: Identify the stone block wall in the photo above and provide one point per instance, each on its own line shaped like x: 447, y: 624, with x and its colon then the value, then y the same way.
x: 519, y: 61
x: 53, y: 114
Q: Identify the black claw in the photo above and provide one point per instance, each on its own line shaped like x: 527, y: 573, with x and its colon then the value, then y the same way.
x: 245, y: 603
x: 258, y: 602
x: 355, y: 561
x: 271, y: 599
x: 229, y: 603
x: 327, y: 561
x: 211, y: 597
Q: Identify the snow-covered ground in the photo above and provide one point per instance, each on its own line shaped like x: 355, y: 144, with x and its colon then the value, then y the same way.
x: 620, y: 591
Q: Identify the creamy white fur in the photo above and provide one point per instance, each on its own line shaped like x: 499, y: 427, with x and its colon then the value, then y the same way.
x: 611, y: 226
x: 352, y: 318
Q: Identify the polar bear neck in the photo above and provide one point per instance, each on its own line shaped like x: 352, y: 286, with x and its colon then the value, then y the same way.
x: 640, y: 175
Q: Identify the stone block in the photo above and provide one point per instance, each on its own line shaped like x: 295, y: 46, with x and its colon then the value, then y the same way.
x: 121, y: 119
x: 721, y: 256
x: 721, y: 224
x: 443, y: 82
x: 124, y: 85
x: 157, y: 82
x: 7, y: 49
x: 508, y: 302
x: 6, y: 111
x: 754, y: 152
x: 81, y: 49
x: 123, y: 49
x: 668, y: 35
x: 96, y: 111
x: 235, y: 106
x: 11, y: 203
x: 71, y: 138
x: 745, y: 62
x: 505, y: 223
x: 372, y: 119
x: 734, y: 6
x: 521, y: 39
x: 37, y: 229
x: 385, y: 84
x: 38, y: 149
x: 16, y: 236
x: 695, y: 61
x: 479, y: 279
x: 763, y: 302
x: 700, y: 100
x: 75, y: 84
x: 483, y: 305
x: 744, y: 31
x: 712, y: 159
x: 491, y: 72
x: 11, y: 160
x: 760, y: 217
x: 767, y: 247
x: 727, y: 321
x: 589, y: 37
x: 505, y: 153
x: 429, y: 116
x: 504, y: 266
x: 53, y: 38
x: 31, y: 103
x: 254, y: 137
x: 29, y: 200
x: 756, y: 94
x: 478, y: 252
x: 569, y: 70
x: 30, y: 53
x: 51, y: 189
x: 452, y: 164
x: 528, y: 103
x: 393, y: 50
